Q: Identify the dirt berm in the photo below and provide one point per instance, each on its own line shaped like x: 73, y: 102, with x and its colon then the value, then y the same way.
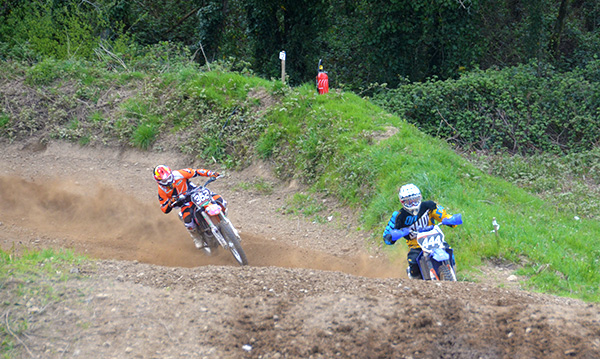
x: 312, y: 290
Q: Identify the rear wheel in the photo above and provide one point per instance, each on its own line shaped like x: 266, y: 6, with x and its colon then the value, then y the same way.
x: 233, y: 240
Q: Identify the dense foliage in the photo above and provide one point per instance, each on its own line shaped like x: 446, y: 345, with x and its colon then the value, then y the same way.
x: 524, y: 109
x: 361, y: 42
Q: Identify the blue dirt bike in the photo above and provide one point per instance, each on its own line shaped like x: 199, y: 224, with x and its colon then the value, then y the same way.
x: 436, y: 260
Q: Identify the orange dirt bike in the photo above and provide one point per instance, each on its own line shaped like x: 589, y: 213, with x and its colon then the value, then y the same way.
x: 212, y: 222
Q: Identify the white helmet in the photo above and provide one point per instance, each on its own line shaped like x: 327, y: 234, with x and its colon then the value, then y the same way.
x: 410, y: 196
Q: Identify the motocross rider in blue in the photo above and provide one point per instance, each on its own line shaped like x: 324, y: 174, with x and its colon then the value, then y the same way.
x: 415, y: 215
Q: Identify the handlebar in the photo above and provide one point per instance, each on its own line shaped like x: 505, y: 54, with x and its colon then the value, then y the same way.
x: 186, y: 197
x: 425, y: 229
x: 211, y: 179
x: 455, y: 220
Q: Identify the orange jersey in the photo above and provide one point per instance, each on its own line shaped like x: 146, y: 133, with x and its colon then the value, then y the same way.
x: 168, y: 194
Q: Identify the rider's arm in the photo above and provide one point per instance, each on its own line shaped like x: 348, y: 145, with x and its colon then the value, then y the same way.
x: 190, y: 172
x: 165, y: 203
x: 203, y: 172
x: 165, y: 200
x: 387, y: 236
x: 439, y: 213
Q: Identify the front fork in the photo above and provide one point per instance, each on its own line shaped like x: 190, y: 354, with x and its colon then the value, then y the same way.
x: 426, y: 267
x: 432, y: 274
x: 215, y: 230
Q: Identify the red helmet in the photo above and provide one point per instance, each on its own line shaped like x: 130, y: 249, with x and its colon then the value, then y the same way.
x: 163, y: 175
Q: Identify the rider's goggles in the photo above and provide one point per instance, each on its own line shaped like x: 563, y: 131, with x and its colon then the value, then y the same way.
x: 167, y: 182
x: 412, y: 201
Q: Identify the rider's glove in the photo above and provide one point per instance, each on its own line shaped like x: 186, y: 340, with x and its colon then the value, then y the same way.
x: 213, y: 174
x: 388, y: 239
x: 180, y: 200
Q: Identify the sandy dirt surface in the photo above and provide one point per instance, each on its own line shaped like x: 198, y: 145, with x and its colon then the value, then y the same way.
x: 312, y: 290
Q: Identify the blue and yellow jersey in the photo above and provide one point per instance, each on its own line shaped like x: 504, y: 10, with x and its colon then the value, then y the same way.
x: 429, y: 213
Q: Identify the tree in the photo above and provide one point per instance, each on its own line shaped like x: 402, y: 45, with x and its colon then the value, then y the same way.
x: 289, y: 25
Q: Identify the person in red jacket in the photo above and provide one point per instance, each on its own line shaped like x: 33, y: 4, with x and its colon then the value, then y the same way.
x: 171, y: 184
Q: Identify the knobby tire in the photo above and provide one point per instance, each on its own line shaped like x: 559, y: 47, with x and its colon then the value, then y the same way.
x: 235, y: 245
x: 447, y: 272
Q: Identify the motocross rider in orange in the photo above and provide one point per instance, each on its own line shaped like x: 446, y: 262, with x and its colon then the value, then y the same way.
x: 415, y: 215
x: 172, y: 184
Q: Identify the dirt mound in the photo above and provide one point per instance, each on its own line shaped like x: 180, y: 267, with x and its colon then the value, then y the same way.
x: 311, y: 291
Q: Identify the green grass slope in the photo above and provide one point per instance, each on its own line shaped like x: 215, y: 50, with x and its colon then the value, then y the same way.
x: 337, y: 153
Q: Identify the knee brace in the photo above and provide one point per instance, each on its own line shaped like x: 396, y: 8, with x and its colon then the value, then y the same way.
x: 190, y: 226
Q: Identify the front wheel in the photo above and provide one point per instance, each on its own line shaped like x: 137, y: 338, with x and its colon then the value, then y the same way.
x: 447, y: 272
x: 234, y: 242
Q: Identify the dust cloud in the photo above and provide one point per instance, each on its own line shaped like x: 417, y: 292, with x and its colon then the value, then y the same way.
x: 107, y: 223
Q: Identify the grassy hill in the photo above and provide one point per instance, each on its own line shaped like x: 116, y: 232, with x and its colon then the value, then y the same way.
x: 339, y: 144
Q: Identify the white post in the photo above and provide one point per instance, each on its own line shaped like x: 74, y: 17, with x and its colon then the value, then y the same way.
x: 282, y: 57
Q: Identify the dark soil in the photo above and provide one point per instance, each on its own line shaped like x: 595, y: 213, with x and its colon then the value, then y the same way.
x: 311, y: 290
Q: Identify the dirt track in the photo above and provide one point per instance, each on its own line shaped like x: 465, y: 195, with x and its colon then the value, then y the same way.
x: 311, y: 290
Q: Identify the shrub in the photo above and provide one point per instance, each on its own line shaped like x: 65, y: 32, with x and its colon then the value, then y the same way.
x: 525, y: 109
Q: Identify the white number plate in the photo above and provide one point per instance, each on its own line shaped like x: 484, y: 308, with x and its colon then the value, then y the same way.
x: 201, y: 196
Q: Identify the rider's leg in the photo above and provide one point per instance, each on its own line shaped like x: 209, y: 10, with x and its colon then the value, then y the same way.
x: 190, y: 225
x: 221, y: 201
x: 413, y: 266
